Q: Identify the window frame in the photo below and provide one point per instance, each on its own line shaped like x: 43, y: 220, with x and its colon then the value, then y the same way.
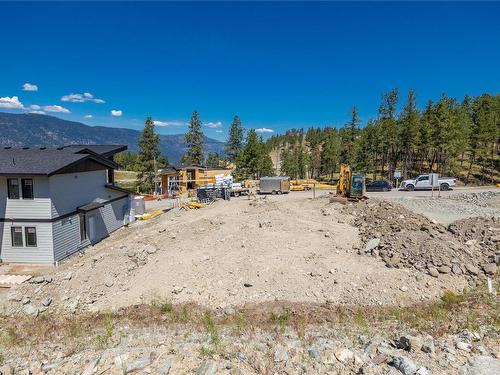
x: 26, y: 237
x: 12, y: 231
x: 10, y: 188
x: 31, y: 188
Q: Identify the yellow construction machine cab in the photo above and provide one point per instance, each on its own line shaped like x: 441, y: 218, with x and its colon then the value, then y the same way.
x: 350, y: 185
x: 344, y: 183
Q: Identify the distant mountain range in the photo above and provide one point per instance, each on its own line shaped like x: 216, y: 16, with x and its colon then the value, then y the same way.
x: 33, y: 130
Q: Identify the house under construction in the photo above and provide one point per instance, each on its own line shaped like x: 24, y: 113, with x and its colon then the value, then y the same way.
x: 182, y: 178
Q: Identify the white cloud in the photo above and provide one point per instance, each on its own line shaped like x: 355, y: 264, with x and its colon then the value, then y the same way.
x: 116, y: 112
x: 30, y: 87
x: 81, y: 98
x: 11, y: 103
x: 56, y: 108
x: 264, y: 130
x: 35, y: 108
x: 88, y: 116
x: 214, y: 125
x: 169, y: 123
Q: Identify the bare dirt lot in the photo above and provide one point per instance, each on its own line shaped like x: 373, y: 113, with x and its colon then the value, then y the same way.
x: 287, y: 248
x: 277, y: 284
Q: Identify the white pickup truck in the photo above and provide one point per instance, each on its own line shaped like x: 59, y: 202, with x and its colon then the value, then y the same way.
x: 422, y: 183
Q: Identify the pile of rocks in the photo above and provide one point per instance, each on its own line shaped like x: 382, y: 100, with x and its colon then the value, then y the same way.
x: 481, y: 199
x: 321, y: 350
x: 402, y: 238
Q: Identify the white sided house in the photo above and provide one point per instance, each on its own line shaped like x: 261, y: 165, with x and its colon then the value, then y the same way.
x: 54, y: 202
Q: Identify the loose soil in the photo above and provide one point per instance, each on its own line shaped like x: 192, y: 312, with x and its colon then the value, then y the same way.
x: 275, y: 248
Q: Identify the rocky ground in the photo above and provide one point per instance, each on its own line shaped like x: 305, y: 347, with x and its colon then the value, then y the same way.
x: 453, y: 206
x: 263, y: 339
x: 274, y: 285
x: 401, y: 238
x: 287, y: 248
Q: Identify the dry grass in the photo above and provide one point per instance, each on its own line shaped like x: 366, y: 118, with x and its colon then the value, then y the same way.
x: 451, y: 314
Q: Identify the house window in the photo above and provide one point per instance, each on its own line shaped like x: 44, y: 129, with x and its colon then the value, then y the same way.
x: 17, y: 236
x: 13, y: 188
x: 27, y: 188
x: 83, y: 228
x: 30, y: 235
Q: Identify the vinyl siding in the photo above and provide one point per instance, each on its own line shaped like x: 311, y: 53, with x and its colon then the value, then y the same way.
x: 37, y: 208
x: 113, y: 215
x: 41, y: 254
x: 66, y: 232
x: 71, y: 190
x: 56, y: 196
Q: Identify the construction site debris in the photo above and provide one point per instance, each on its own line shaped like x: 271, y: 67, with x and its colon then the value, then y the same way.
x: 402, y: 238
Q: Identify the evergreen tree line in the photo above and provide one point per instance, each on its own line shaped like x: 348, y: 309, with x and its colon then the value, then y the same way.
x: 249, y: 154
x: 446, y: 137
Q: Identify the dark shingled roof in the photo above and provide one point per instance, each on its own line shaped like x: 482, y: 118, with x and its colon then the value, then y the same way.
x: 44, y: 161
x: 90, y: 206
x: 103, y: 150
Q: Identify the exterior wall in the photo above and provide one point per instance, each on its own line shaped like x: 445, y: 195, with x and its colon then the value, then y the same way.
x: 110, y: 217
x: 37, y: 208
x: 41, y: 254
x: 72, y: 190
x: 66, y: 232
x: 56, y: 196
x: 66, y: 235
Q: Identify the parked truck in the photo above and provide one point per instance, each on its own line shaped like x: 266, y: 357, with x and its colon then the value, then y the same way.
x: 274, y: 185
x: 422, y: 183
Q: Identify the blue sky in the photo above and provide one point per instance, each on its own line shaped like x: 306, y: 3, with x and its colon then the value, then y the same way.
x: 276, y: 65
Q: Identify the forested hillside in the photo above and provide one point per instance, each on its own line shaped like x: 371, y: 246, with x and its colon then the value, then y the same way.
x: 448, y: 137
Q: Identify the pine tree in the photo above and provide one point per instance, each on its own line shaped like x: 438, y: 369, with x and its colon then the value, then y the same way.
x: 265, y: 166
x: 408, y: 127
x: 213, y: 159
x: 234, y: 143
x: 330, y: 153
x: 254, y: 160
x: 149, y: 152
x: 445, y: 137
x: 387, y: 121
x: 349, y: 133
x: 194, y: 141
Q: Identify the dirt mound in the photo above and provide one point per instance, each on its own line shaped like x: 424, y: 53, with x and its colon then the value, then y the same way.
x: 402, y: 238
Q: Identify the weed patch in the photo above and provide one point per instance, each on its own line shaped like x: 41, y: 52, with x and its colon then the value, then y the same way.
x: 8, y: 337
x: 108, y: 327
x: 281, y: 319
x: 213, y: 336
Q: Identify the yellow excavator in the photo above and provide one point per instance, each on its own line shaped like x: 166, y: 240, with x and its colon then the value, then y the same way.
x: 351, y: 186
